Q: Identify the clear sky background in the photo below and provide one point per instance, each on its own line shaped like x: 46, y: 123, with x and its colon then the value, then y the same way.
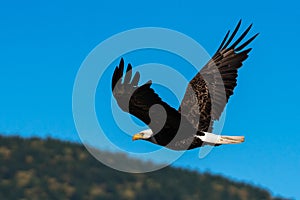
x: 42, y: 45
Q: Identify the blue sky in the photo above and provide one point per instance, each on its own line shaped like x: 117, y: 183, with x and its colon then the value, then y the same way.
x: 42, y: 46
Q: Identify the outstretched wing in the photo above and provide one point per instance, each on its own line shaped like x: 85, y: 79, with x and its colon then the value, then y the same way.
x: 138, y: 100
x: 209, y: 91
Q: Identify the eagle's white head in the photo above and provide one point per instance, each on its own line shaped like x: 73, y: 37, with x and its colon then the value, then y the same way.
x: 144, y: 135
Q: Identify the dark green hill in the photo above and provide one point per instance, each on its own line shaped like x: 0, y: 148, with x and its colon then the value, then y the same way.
x: 52, y: 169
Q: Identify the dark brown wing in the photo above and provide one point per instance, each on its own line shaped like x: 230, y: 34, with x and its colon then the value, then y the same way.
x: 137, y: 100
x: 209, y: 91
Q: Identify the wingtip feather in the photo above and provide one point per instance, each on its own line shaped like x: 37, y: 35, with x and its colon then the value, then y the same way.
x: 128, y: 74
x: 233, y: 34
x: 135, y: 79
x: 246, y: 43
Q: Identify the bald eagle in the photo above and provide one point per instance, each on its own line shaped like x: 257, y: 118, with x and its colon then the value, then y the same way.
x: 189, y: 126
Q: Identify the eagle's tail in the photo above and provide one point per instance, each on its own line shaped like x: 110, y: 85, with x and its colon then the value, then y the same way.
x: 230, y: 139
x: 213, y: 139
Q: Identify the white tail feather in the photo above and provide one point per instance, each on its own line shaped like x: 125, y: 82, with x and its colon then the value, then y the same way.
x: 221, y: 139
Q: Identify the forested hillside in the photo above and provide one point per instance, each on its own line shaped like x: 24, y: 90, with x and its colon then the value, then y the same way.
x: 52, y: 169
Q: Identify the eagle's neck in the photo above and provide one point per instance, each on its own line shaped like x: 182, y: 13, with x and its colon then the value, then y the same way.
x: 150, y: 136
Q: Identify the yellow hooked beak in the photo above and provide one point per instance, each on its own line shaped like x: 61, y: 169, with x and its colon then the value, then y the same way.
x: 137, y: 136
